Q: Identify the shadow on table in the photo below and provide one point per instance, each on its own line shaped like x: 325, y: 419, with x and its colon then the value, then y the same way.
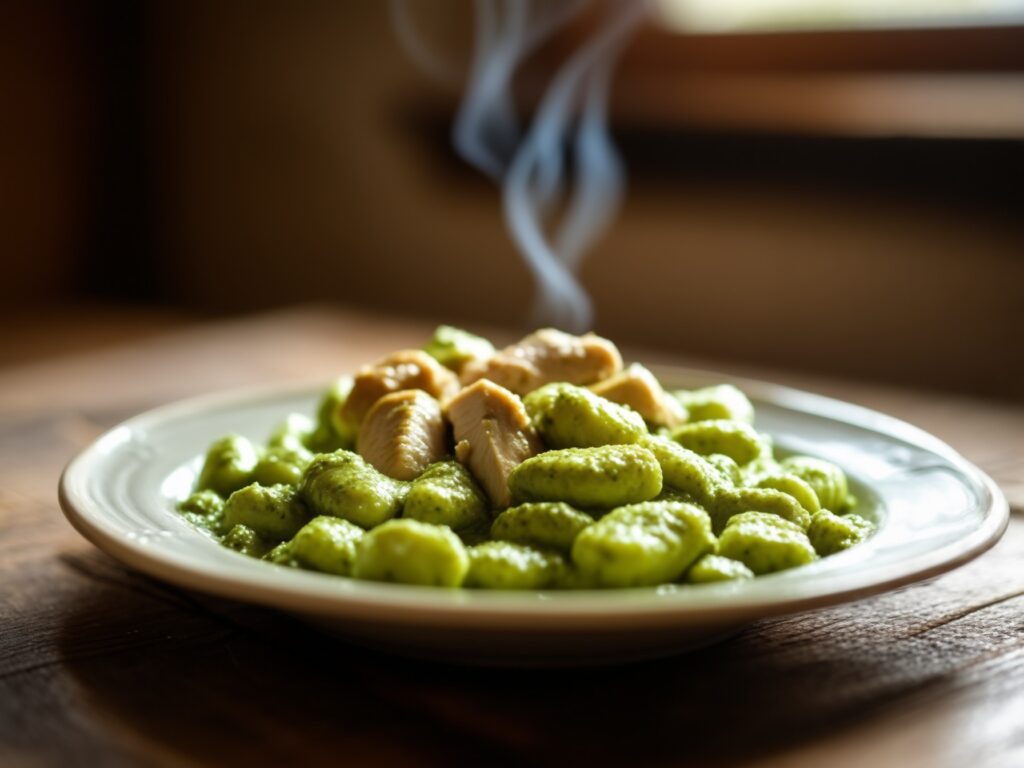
x: 185, y: 677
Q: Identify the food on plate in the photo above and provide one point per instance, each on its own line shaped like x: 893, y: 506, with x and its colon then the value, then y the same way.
x: 325, y: 543
x: 454, y: 348
x: 447, y: 494
x: 735, y: 439
x: 601, y: 477
x: 709, y: 568
x: 506, y: 565
x: 549, y: 525
x: 544, y: 465
x: 827, y: 480
x: 765, y: 542
x: 229, y: 465
x: 638, y: 388
x: 544, y: 356
x: 639, y: 545
x: 830, y: 533
x: 723, y: 401
x: 342, y: 484
x: 411, y: 552
x: 567, y: 416
x: 275, y: 512
x: 403, y: 370
x: 493, y: 435
x: 403, y: 434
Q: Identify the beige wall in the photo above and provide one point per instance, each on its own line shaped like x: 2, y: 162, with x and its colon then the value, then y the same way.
x: 44, y: 113
x: 297, y: 156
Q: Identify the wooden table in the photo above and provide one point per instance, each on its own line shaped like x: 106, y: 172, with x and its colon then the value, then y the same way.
x: 99, y: 665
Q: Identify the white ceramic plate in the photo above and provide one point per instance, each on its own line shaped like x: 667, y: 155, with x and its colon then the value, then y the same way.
x: 934, y: 511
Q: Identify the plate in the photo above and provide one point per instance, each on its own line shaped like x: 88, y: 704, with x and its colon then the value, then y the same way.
x: 934, y: 511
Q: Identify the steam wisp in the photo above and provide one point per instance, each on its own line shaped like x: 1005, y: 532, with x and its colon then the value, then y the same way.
x: 568, y: 131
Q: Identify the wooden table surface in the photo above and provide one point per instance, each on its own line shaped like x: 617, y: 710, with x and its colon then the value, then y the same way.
x: 102, y: 666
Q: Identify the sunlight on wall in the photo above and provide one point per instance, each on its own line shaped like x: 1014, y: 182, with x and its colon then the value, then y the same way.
x: 752, y: 15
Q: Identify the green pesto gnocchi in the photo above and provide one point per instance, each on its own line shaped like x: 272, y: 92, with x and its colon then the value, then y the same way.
x: 204, y: 509
x: 735, y: 439
x: 326, y: 544
x: 532, y: 482
x: 454, y: 347
x: 507, y: 565
x: 711, y: 568
x: 765, y: 543
x: 295, y: 432
x: 793, y: 486
x: 827, y: 480
x: 344, y: 485
x: 601, y: 478
x: 273, y: 511
x: 643, y: 544
x: 719, y: 402
x: 547, y: 525
x: 246, y: 541
x: 685, y: 472
x: 830, y: 533
x: 567, y: 416
x: 331, y: 432
x: 228, y: 465
x: 727, y: 468
x: 446, y: 494
x: 281, y: 465
x: 411, y: 552
x: 735, y: 501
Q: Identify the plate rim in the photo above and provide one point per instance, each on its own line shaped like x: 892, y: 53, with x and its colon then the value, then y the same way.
x: 336, y: 597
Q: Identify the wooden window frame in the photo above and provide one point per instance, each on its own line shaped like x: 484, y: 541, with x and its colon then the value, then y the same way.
x: 965, y: 82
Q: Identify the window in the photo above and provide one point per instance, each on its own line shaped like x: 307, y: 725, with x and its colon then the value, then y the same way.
x: 715, y: 16
x: 946, y: 68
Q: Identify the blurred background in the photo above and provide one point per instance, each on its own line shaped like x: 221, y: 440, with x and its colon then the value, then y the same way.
x: 823, y: 186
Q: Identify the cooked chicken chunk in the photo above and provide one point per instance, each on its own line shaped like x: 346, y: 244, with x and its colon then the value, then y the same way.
x: 405, y: 369
x: 640, y: 390
x: 493, y: 435
x: 403, y: 434
x: 544, y: 356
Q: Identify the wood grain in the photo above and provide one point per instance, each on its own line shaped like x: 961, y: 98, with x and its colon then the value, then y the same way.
x: 101, y: 666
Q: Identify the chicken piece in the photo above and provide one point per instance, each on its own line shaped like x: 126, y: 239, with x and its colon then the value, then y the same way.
x: 405, y: 369
x: 493, y: 435
x: 640, y: 390
x: 544, y: 356
x: 403, y: 434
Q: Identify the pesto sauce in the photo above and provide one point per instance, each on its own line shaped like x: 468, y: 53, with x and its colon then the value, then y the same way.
x: 605, y: 504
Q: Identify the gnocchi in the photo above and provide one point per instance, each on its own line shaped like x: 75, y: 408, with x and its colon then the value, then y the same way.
x: 543, y: 465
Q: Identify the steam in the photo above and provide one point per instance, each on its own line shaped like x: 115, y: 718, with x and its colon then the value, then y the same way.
x: 565, y: 162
